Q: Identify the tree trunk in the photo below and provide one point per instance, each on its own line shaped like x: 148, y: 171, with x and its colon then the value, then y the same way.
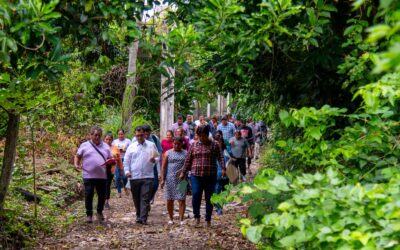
x: 167, y: 102
x: 130, y: 89
x: 9, y: 155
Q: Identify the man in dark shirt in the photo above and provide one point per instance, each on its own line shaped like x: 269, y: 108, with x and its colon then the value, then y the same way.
x: 247, y: 133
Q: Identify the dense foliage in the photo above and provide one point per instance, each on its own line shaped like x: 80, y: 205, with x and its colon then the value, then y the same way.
x: 325, y: 73
x: 336, y: 178
x: 285, y: 53
x: 54, y: 58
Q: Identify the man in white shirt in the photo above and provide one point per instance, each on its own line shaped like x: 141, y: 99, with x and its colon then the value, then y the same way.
x: 138, y: 167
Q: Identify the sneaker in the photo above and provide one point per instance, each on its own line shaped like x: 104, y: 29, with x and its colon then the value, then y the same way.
x: 89, y: 219
x: 170, y: 222
x: 196, y: 221
x: 182, y: 222
x: 219, y: 212
x: 119, y: 195
x: 243, y: 178
x: 100, y: 217
x: 208, y: 223
x: 107, y: 206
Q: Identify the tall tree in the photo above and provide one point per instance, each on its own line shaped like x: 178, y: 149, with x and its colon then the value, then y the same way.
x: 131, y: 86
x: 29, y: 52
x: 32, y: 56
x: 130, y: 89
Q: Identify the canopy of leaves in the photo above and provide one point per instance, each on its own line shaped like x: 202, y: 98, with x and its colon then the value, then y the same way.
x: 276, y: 52
x: 342, y: 188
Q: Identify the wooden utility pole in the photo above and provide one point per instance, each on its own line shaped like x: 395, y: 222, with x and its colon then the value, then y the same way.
x: 196, y: 110
x: 221, y: 105
x: 167, y: 100
x: 228, y: 109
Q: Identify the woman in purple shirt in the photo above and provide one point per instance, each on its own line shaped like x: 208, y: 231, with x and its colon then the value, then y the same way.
x: 92, y: 157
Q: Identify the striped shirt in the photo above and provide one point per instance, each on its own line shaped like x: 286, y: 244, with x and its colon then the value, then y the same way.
x: 202, y: 159
x: 228, y: 131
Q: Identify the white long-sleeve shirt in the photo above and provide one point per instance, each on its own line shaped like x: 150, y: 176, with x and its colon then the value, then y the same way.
x: 137, y: 160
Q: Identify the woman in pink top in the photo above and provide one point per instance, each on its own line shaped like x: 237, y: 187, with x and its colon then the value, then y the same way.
x: 167, y: 143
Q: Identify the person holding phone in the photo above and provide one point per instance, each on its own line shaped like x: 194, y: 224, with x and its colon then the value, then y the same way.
x: 92, y: 157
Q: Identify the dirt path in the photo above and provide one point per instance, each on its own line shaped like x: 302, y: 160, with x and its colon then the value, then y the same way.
x: 120, y: 231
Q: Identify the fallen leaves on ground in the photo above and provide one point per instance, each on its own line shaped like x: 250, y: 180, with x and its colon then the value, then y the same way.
x: 119, y: 231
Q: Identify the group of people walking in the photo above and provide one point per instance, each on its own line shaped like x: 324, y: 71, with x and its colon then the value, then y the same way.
x: 191, y: 159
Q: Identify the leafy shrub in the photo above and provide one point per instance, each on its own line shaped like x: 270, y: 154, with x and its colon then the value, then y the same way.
x: 113, y: 121
x: 368, y: 143
x: 321, y: 211
x: 342, y: 191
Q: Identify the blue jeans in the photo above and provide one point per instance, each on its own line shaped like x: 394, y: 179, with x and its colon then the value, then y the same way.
x: 120, y: 179
x: 155, y: 182
x: 200, y: 184
x: 220, y: 187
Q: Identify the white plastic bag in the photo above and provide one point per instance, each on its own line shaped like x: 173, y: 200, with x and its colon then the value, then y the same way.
x: 232, y: 172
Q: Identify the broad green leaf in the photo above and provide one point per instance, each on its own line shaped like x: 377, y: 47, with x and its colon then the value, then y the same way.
x: 53, y: 15
x: 385, y: 3
x: 253, y: 233
x: 294, y: 239
x: 363, y: 238
x: 4, y: 57
x: 329, y: 7
x: 311, y: 16
x: 89, y: 5
x: 315, y: 133
x: 18, y: 26
x: 285, y: 117
x: 377, y: 32
x: 314, y: 42
x: 46, y: 27
x: 357, y: 4
x: 12, y: 44
x: 280, y: 183
x: 285, y: 206
x: 247, y: 190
